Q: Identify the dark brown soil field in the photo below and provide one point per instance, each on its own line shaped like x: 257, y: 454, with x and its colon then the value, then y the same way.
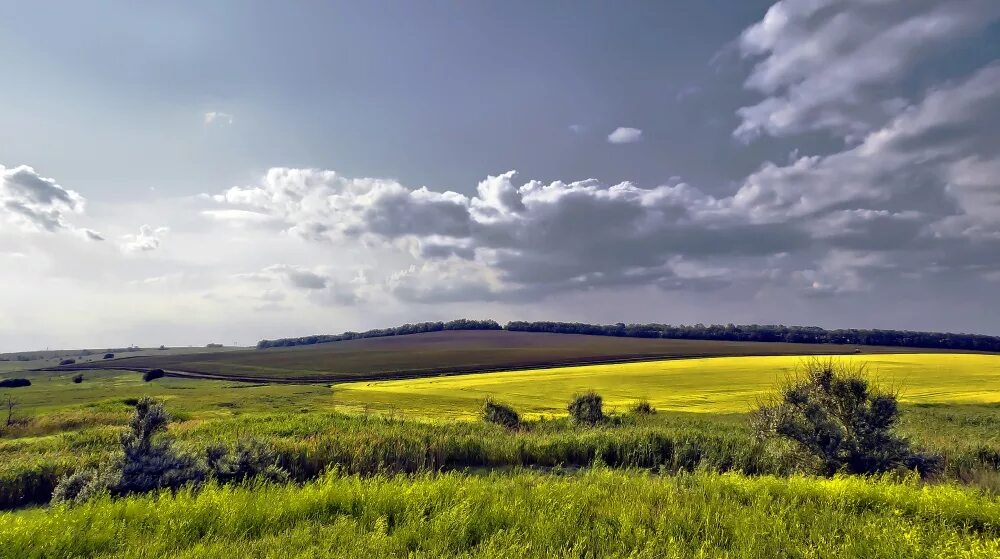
x: 456, y: 352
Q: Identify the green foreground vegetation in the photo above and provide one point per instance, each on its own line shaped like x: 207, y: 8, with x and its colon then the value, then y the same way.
x: 394, y: 473
x: 598, y: 513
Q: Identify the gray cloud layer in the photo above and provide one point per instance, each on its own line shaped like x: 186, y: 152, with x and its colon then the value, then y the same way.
x: 919, y: 193
x: 904, y: 198
x: 830, y: 64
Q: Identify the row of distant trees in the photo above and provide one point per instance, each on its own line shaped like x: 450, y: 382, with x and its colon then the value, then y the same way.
x: 731, y: 332
x: 420, y: 327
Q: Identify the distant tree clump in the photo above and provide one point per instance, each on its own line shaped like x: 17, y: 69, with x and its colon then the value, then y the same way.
x: 500, y: 414
x: 213, y: 345
x: 419, y: 328
x: 586, y: 409
x: 153, y: 374
x: 14, y: 383
x: 834, y: 414
x: 768, y: 333
x: 109, y: 356
x: 77, y: 379
x: 67, y: 362
x: 729, y: 332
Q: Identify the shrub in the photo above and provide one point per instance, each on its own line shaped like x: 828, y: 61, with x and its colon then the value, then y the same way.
x: 77, y: 379
x: 150, y: 462
x: 14, y: 382
x: 67, y: 362
x: 834, y: 414
x: 642, y: 407
x: 500, y: 414
x: 84, y: 484
x: 152, y: 375
x: 249, y: 459
x: 586, y: 409
x: 109, y: 356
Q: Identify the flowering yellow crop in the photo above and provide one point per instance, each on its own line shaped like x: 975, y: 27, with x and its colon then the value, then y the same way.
x: 718, y: 384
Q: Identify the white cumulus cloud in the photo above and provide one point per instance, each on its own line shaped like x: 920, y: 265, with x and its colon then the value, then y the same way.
x: 625, y: 135
x: 218, y: 118
x: 147, y: 239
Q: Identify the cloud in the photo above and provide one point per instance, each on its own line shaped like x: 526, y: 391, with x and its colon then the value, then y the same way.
x: 687, y: 91
x: 920, y: 192
x: 834, y: 65
x: 516, y: 239
x: 218, y: 119
x: 934, y: 162
x: 320, y: 285
x: 576, y: 128
x: 625, y: 135
x: 148, y: 239
x: 36, y: 203
x: 840, y: 271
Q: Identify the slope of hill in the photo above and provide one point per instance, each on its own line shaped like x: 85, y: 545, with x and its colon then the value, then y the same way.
x: 460, y: 351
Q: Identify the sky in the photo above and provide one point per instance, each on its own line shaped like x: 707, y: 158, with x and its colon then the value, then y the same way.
x: 184, y: 173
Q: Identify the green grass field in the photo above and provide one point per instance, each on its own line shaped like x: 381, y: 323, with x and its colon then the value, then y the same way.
x: 596, y: 514
x: 412, y: 471
x: 716, y: 385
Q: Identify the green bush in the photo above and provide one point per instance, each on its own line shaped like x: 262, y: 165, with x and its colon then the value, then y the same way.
x: 834, y: 414
x: 77, y: 379
x: 14, y: 383
x: 500, y: 414
x: 249, y: 459
x: 153, y: 374
x: 84, y: 484
x: 586, y: 409
x: 150, y: 461
x: 642, y: 407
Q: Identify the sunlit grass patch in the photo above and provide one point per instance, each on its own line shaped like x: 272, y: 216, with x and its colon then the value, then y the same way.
x: 599, y: 513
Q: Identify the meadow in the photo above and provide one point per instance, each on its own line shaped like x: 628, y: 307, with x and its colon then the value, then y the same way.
x: 389, y: 468
x: 599, y: 513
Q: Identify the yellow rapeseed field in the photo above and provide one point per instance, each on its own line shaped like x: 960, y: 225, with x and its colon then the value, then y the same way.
x: 718, y: 384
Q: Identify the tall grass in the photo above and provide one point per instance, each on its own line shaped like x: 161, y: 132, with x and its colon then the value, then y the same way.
x: 600, y: 513
x: 309, y: 443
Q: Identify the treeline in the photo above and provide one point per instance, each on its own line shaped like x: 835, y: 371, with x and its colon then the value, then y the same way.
x: 729, y: 332
x: 769, y: 333
x: 419, y: 328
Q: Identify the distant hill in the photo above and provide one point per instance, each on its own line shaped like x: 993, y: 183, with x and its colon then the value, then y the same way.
x: 729, y: 332
x: 452, y: 351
